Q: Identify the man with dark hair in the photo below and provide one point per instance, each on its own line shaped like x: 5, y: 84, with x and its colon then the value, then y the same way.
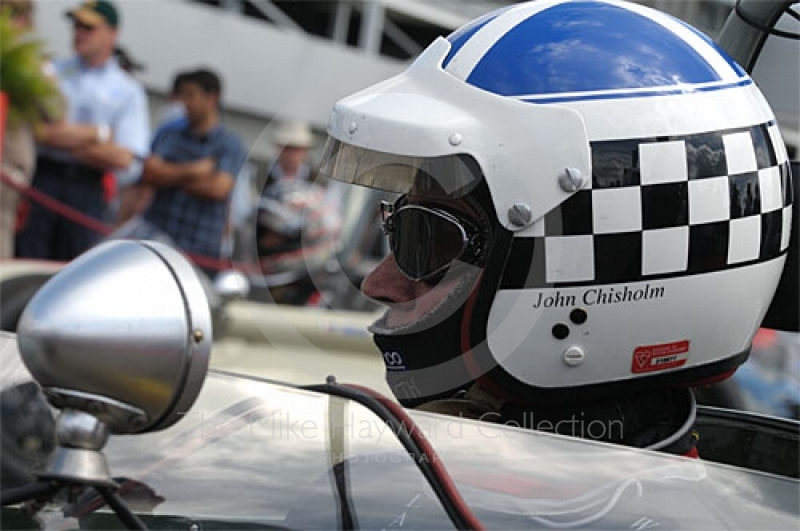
x: 192, y: 169
x: 206, y: 79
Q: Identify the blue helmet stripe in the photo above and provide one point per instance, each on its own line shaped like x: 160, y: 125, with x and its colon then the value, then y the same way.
x: 465, y: 33
x: 587, y: 47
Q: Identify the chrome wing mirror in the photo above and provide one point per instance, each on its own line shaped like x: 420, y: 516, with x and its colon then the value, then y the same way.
x: 119, y: 341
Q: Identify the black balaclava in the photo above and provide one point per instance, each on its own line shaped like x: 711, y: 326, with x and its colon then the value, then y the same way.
x: 424, y: 359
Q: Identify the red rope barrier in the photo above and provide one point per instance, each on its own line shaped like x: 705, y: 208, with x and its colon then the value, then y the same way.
x: 95, y: 225
x: 57, y: 206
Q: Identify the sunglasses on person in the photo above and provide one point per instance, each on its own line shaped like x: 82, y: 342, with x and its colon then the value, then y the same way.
x: 427, y: 240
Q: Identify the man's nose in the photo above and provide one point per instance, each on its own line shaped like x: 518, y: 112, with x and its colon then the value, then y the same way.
x: 386, y: 283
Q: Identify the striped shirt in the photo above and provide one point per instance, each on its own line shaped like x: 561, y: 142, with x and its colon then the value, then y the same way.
x: 195, y: 224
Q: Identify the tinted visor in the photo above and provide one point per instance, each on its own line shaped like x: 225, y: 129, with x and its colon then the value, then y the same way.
x: 450, y: 176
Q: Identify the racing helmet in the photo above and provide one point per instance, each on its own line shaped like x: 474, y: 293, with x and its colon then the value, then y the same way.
x: 635, y: 175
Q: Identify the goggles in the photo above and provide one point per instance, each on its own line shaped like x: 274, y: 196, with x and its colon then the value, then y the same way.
x: 427, y: 240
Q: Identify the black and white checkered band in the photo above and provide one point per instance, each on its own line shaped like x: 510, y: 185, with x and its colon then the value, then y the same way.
x: 664, y: 207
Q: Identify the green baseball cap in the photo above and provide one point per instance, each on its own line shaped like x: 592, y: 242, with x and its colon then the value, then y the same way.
x: 95, y: 12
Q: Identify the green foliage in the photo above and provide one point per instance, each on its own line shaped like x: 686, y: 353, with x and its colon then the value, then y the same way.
x: 32, y: 94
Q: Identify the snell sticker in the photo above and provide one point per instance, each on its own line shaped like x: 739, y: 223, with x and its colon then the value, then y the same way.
x: 651, y: 358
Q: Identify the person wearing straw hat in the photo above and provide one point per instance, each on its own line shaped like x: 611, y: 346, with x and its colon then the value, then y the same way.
x: 293, y: 140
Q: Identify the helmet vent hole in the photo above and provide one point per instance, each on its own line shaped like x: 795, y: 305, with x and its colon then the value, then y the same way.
x: 560, y: 331
x: 578, y: 316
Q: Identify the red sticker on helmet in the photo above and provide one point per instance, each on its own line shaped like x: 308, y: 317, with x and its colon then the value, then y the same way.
x: 652, y: 358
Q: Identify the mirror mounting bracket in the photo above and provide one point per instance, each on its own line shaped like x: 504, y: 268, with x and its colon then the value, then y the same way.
x: 79, y: 457
x: 107, y: 410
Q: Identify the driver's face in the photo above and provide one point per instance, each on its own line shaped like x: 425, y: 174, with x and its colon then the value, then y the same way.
x: 410, y: 300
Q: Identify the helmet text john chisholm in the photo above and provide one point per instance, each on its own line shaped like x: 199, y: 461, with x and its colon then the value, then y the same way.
x: 599, y: 296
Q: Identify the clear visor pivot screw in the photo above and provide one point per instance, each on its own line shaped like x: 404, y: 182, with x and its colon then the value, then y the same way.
x: 519, y: 214
x: 571, y: 180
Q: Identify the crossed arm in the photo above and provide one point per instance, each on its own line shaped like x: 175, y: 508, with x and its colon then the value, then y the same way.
x: 85, y: 143
x: 200, y: 178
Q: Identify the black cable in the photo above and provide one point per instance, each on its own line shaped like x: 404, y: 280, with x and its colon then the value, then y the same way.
x: 45, y: 490
x: 33, y: 491
x: 401, y: 431
x: 766, y: 29
x: 346, y: 513
x: 792, y: 13
x: 130, y: 520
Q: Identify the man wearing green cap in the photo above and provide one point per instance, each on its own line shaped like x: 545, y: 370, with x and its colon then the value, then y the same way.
x: 106, y: 130
x: 95, y: 24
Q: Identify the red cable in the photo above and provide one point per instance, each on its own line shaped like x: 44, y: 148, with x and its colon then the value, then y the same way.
x: 439, y: 470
